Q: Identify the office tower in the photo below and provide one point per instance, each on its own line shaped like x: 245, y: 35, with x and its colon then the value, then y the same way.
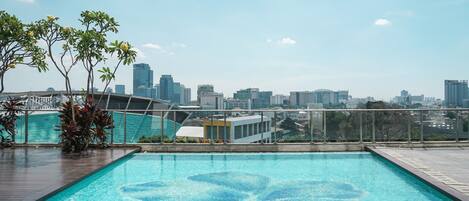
x: 231, y: 103
x: 279, y: 100
x: 204, y: 88
x: 187, y: 96
x: 166, y: 87
x: 211, y: 100
x: 455, y: 92
x: 119, y: 88
x: 258, y: 99
x: 157, y: 90
x: 143, y: 80
x: 176, y: 98
x: 301, y: 98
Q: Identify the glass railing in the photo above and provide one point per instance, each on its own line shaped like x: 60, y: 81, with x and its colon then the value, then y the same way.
x: 262, y: 126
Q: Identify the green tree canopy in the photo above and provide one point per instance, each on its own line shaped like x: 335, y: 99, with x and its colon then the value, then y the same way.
x: 18, y: 45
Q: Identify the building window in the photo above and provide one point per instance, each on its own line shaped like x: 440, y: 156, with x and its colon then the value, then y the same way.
x: 245, y: 130
x: 238, y: 133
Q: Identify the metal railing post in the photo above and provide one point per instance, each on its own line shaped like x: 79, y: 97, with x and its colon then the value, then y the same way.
x: 162, y: 128
x: 262, y: 128
x: 373, y: 127
x: 275, y: 128
x: 174, y: 127
x: 224, y: 127
x: 311, y: 128
x: 211, y: 129
x: 361, y: 127
x: 125, y: 127
x: 112, y: 129
x: 457, y: 126
x: 421, y: 126
x: 325, y: 127
x: 409, y: 131
x: 26, y: 131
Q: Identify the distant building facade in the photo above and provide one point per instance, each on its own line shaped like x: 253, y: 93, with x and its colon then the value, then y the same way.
x: 455, y: 93
x: 323, y: 96
x: 231, y: 103
x: 211, y: 100
x: 204, y: 88
x: 143, y: 81
x: 244, y: 129
x: 166, y: 87
x: 279, y: 100
x: 258, y: 99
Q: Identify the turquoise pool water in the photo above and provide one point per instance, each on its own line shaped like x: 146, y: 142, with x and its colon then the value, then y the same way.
x: 42, y: 128
x: 268, y: 176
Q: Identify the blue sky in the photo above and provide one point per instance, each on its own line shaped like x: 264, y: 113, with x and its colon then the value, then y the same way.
x: 372, y: 48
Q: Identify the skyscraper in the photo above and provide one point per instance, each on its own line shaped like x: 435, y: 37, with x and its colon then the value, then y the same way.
x: 143, y: 80
x: 120, y: 89
x: 204, y: 88
x: 187, y: 96
x: 258, y: 99
x: 455, y: 93
x: 166, y: 87
x: 177, y: 88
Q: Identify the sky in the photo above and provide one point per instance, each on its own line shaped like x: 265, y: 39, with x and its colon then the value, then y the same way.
x: 369, y: 47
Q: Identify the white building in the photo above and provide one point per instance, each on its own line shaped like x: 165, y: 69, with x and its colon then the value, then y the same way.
x: 211, y: 100
x: 279, y: 99
x: 245, y: 129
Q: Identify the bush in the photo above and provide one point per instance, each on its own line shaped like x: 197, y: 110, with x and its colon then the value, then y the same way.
x: 82, y: 125
x: 8, y: 119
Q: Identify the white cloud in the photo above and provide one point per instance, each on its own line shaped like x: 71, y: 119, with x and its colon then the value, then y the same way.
x: 161, y: 49
x: 382, y: 22
x: 26, y: 1
x: 286, y: 41
x: 152, y: 46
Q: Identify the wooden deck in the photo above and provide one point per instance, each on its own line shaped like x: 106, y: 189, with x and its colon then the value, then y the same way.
x: 28, y: 173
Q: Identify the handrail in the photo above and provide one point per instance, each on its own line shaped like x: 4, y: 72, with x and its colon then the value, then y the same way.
x: 259, y: 110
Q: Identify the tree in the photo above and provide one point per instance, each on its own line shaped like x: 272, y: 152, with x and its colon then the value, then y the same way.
x: 289, y: 124
x: 18, y: 45
x: 86, y: 47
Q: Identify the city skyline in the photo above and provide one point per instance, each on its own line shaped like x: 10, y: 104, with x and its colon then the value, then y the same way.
x: 393, y: 46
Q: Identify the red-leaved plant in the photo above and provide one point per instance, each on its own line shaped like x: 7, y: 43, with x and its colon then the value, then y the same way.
x: 8, y: 116
x: 87, y: 126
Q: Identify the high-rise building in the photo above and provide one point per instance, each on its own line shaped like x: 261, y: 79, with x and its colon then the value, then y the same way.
x: 455, y: 93
x: 166, y: 87
x: 279, y: 100
x: 204, y: 88
x: 119, y: 88
x: 157, y: 90
x: 177, y: 88
x: 143, y: 81
x: 258, y: 99
x: 231, y: 103
x: 187, y: 96
x: 211, y: 100
x: 301, y: 98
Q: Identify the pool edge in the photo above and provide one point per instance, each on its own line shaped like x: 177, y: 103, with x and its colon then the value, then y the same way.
x: 63, y: 187
x: 439, y: 186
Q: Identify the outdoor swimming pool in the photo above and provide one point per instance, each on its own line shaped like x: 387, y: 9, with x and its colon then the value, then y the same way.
x: 251, y: 176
